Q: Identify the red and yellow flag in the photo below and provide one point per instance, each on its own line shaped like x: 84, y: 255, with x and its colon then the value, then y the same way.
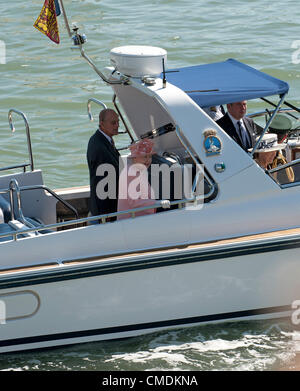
x: 46, y: 23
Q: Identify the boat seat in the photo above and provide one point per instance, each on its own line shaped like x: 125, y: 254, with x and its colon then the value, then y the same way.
x: 37, y: 223
x: 6, y: 212
x: 17, y: 225
x: 6, y: 228
x: 5, y: 208
x: 13, y: 226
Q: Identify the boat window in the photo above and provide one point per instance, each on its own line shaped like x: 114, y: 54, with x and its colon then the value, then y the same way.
x: 286, y: 125
x: 176, y: 178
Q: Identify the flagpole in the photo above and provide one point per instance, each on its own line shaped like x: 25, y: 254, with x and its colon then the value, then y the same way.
x: 65, y: 18
x: 79, y: 40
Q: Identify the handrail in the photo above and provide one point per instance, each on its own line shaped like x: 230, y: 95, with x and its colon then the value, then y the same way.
x: 286, y: 103
x: 160, y: 204
x: 267, y: 125
x: 89, y: 107
x: 283, y: 166
x: 122, y: 119
x: 43, y: 187
x: 14, y: 186
x: 281, y: 110
x: 65, y: 203
x: 105, y: 107
x: 16, y: 166
x: 78, y: 41
x: 27, y: 132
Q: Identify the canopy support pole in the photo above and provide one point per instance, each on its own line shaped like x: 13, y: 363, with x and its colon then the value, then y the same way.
x: 291, y: 106
x: 286, y: 103
x: 268, y: 124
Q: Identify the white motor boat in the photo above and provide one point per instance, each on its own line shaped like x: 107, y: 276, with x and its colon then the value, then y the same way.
x: 227, y: 250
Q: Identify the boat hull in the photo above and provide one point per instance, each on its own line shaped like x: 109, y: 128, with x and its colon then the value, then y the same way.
x: 134, y: 295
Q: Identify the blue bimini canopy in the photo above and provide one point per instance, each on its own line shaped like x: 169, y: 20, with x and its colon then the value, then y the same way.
x: 224, y: 82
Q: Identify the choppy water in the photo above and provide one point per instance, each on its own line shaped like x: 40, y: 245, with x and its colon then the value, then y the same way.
x: 244, y: 346
x: 51, y: 85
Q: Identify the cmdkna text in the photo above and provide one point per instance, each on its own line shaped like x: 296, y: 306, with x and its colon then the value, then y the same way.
x: 150, y: 380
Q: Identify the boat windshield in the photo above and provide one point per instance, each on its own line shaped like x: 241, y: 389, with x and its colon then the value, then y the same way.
x: 286, y: 124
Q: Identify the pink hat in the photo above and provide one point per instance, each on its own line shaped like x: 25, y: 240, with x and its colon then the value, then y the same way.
x: 141, y: 148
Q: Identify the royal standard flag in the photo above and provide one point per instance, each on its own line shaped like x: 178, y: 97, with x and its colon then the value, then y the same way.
x: 46, y: 23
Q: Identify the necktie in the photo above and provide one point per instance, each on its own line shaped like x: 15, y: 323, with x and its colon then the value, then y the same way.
x: 113, y: 144
x: 114, y: 147
x: 243, y: 135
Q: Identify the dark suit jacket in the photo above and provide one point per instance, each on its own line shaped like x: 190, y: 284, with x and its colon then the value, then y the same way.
x: 101, y: 151
x: 226, y: 124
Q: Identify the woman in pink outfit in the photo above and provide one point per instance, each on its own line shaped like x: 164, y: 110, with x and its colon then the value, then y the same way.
x: 134, y: 188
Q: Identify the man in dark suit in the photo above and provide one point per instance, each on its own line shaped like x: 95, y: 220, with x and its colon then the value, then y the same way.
x: 103, y: 162
x: 240, y: 128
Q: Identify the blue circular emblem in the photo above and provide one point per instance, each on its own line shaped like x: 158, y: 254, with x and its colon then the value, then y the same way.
x: 212, y: 145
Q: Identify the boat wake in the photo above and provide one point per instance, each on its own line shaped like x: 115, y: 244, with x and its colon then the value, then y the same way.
x: 243, y: 346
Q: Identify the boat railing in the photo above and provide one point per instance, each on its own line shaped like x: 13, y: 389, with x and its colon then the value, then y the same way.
x: 103, y: 105
x: 268, y: 123
x: 114, y: 100
x: 7, y: 168
x: 295, y: 127
x: 267, y: 112
x: 104, y: 218
x: 28, y: 141
x: 78, y: 41
x: 282, y: 167
x: 15, y: 188
x: 196, y: 200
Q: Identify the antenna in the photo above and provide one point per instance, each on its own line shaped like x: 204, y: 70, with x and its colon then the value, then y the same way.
x: 164, y: 74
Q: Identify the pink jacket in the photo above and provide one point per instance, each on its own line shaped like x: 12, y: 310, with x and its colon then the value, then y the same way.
x: 135, y: 191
